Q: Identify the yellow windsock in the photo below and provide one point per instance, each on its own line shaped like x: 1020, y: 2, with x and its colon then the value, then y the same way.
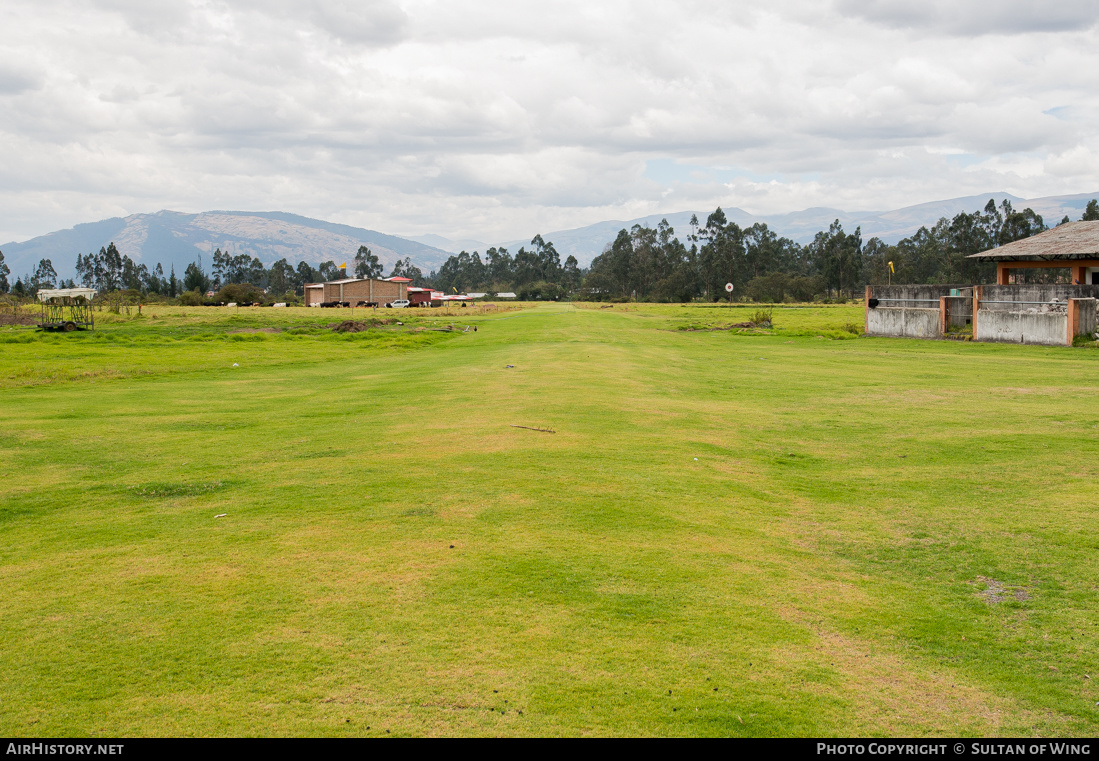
x: 343, y: 266
x: 891, y: 268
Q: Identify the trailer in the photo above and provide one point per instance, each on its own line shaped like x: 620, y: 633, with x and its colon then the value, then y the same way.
x: 66, y: 309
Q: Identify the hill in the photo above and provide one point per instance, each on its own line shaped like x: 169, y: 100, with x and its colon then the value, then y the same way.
x: 176, y: 239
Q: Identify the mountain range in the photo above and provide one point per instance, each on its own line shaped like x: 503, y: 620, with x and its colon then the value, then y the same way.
x: 176, y: 239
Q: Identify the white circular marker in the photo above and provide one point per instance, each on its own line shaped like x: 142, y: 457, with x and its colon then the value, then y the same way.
x: 728, y: 287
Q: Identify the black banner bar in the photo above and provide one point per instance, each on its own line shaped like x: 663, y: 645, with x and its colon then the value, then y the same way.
x: 794, y: 747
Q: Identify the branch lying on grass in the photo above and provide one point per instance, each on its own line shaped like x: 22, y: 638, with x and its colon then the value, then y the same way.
x: 527, y: 427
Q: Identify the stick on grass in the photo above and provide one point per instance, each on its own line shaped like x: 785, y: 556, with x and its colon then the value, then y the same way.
x: 527, y: 427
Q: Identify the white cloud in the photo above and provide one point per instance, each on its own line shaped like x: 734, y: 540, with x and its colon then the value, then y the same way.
x: 495, y: 120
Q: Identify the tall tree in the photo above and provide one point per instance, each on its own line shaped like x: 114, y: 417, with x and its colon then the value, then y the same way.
x: 4, y: 272
x: 500, y: 265
x: 571, y: 274
x: 838, y: 257
x: 111, y: 268
x: 303, y: 275
x: 1091, y: 211
x: 280, y: 278
x: 367, y: 263
x: 45, y: 276
x: 328, y: 271
x: 721, y: 257
x: 131, y: 278
x: 219, y: 268
x: 1019, y: 224
x: 195, y: 279
x: 549, y: 261
x: 253, y: 272
x: 155, y: 283
x: 405, y: 268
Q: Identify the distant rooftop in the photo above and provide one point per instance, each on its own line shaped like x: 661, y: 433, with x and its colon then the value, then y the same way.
x: 1072, y: 240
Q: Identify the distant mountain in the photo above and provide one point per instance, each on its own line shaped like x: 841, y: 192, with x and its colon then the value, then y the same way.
x: 585, y: 243
x: 175, y: 239
x: 453, y: 246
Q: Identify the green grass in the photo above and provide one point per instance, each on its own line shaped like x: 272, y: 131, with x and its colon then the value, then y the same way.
x: 728, y: 534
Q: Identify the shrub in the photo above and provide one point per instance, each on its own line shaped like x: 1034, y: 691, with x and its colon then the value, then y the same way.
x: 769, y: 288
x: 804, y: 288
x: 762, y: 317
x: 777, y: 287
x: 240, y: 293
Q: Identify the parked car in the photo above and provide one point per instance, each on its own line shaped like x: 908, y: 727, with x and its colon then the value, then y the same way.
x: 398, y: 304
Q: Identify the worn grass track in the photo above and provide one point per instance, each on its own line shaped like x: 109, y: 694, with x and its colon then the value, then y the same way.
x: 728, y: 534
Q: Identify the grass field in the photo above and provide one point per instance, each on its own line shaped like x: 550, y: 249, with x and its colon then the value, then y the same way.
x: 731, y: 531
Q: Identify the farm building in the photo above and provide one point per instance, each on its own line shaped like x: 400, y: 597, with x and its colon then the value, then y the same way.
x: 1052, y: 314
x: 419, y: 296
x: 355, y: 290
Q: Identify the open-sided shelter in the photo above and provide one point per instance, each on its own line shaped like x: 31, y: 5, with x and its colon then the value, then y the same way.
x: 1072, y: 245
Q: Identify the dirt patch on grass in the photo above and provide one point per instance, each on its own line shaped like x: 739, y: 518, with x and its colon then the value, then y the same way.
x: 18, y: 319
x: 732, y: 326
x: 997, y: 591
x: 168, y: 490
x: 353, y: 326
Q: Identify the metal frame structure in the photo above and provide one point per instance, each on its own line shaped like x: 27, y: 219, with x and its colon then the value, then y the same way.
x: 67, y: 308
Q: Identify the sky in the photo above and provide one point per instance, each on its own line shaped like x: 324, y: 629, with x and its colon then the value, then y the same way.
x: 495, y: 120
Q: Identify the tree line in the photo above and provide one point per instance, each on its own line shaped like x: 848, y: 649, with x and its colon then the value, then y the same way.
x: 653, y: 264
x: 642, y: 263
x: 108, y: 271
x: 537, y: 273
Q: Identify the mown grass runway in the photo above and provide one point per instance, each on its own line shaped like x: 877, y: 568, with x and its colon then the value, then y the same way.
x: 727, y: 534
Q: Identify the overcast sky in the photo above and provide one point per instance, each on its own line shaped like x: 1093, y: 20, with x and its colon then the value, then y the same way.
x: 496, y: 120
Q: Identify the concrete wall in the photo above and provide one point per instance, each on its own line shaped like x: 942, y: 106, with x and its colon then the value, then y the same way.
x: 919, y: 296
x: 904, y: 322
x: 1026, y: 314
x: 990, y: 294
x: 1087, y: 317
x: 907, y: 310
x: 1021, y: 327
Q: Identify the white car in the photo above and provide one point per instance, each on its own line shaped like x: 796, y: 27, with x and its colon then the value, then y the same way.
x: 399, y: 303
